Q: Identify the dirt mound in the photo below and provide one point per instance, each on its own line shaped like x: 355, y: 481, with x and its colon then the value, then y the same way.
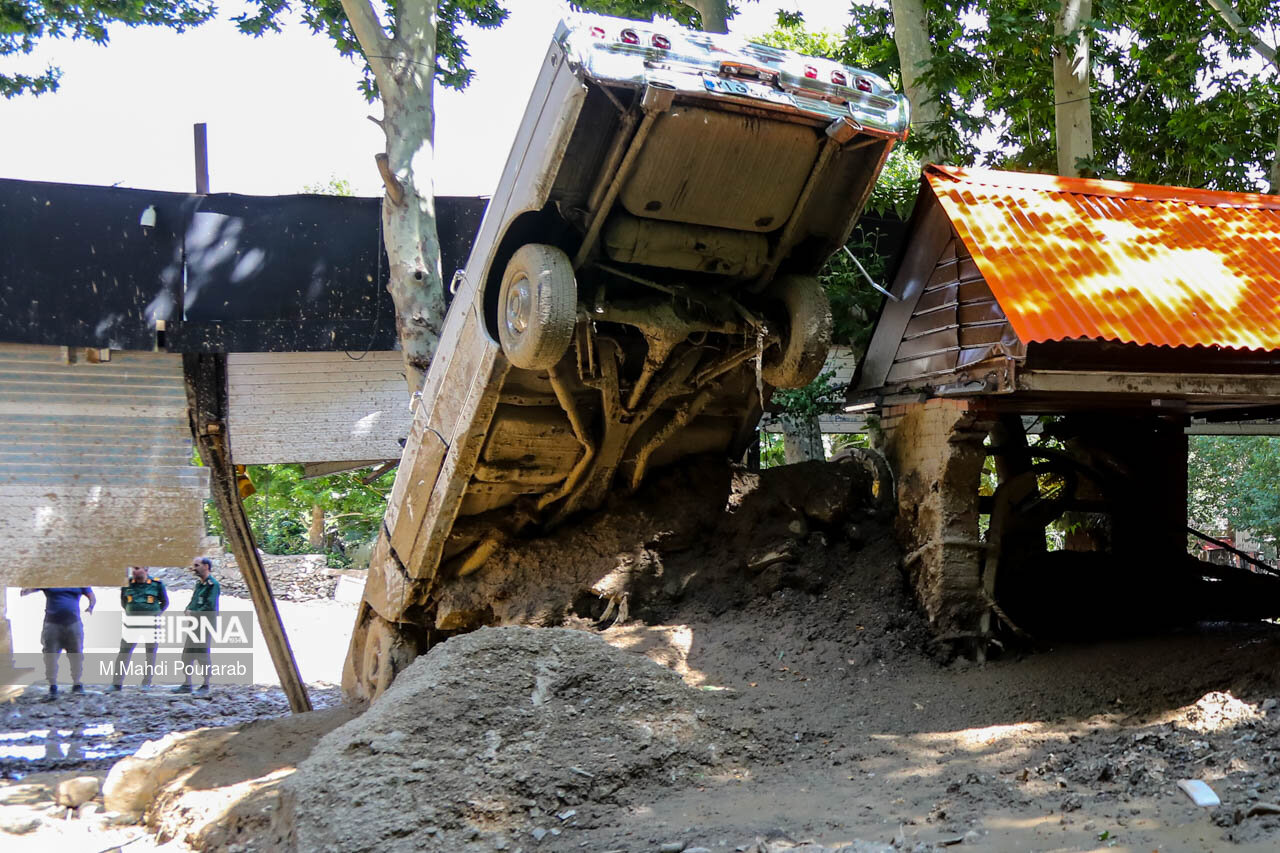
x: 707, y: 531
x: 504, y: 737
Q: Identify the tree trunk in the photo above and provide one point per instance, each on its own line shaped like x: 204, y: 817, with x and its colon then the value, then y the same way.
x: 715, y: 14
x: 1073, y: 123
x: 409, y: 224
x: 404, y: 67
x: 801, y: 438
x: 915, y: 52
x: 315, y: 532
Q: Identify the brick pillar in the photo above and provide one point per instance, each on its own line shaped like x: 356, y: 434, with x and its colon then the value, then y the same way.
x: 936, y: 452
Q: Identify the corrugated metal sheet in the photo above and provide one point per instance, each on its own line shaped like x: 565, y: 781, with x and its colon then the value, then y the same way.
x: 1069, y: 258
x: 316, y: 406
x: 95, y: 467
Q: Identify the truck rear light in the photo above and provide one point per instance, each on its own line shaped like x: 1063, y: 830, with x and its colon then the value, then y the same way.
x: 862, y: 84
x: 629, y: 37
x: 597, y: 32
x: 661, y: 41
x: 839, y: 79
x: 810, y: 72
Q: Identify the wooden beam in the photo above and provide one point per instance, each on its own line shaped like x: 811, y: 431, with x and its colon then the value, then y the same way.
x: 202, y: 158
x: 206, y: 381
x: 311, y: 470
x: 1223, y: 386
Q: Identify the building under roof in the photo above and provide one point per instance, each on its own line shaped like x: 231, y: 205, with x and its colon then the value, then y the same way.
x: 1059, y: 293
x: 1134, y: 313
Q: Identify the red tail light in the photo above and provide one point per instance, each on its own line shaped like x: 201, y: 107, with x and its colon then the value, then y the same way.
x: 810, y: 72
x: 661, y: 41
x: 862, y: 84
x: 839, y: 79
x: 597, y: 32
x: 629, y: 37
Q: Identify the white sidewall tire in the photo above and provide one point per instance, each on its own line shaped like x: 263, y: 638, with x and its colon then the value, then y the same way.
x: 537, y: 307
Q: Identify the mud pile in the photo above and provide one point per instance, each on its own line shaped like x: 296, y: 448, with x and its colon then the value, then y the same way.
x: 502, y: 738
x: 706, y: 532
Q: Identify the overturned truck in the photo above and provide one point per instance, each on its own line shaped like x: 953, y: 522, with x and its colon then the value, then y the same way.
x: 644, y: 277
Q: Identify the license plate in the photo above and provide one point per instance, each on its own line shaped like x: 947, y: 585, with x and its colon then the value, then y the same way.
x: 744, y: 89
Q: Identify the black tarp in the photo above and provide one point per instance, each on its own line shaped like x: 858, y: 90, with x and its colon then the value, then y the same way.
x: 224, y: 272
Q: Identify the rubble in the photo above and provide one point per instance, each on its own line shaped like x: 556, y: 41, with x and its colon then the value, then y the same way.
x: 293, y: 577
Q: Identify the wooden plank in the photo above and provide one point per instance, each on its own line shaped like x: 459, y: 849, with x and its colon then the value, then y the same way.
x: 206, y: 387
x: 931, y: 232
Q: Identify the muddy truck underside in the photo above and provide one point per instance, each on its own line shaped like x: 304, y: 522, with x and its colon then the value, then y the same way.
x: 642, y: 280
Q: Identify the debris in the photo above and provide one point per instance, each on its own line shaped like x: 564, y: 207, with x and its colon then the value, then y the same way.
x: 1262, y: 808
x: 1199, y: 792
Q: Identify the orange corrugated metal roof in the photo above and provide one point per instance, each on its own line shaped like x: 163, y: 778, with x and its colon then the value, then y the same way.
x: 1071, y: 258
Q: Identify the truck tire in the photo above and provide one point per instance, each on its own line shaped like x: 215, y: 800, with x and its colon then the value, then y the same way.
x: 799, y: 357
x: 537, y: 306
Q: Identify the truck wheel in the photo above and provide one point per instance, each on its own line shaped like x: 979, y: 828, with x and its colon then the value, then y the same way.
x: 799, y: 358
x: 537, y: 306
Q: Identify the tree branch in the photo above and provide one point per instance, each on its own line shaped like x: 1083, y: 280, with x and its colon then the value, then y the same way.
x: 1228, y: 14
x: 372, y: 37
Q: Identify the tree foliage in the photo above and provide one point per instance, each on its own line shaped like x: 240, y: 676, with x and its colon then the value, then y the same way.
x: 280, y: 509
x: 1234, y: 485
x: 26, y: 23
x: 1175, y: 96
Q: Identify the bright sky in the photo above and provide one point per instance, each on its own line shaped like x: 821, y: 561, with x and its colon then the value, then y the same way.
x: 283, y: 111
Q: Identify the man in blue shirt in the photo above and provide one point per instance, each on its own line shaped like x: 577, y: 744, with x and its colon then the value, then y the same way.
x: 63, y: 632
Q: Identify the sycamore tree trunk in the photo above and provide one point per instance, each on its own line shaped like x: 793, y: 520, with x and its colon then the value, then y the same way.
x: 1073, y: 122
x: 404, y: 67
x: 801, y: 438
x: 915, y: 52
x: 715, y: 14
x: 315, y: 530
x: 1228, y: 13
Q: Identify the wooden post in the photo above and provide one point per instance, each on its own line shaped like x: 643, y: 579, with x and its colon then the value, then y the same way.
x: 202, y: 158
x: 206, y: 380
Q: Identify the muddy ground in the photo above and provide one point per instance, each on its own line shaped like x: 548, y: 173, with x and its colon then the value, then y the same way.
x: 834, y: 715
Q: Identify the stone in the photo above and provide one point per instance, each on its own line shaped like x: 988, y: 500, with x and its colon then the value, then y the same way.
x: 538, y: 833
x: 1269, y: 704
x: 672, y: 847
x: 88, y: 810
x: 20, y: 825
x: 74, y: 793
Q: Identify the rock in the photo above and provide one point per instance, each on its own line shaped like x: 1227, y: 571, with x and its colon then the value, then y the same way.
x: 671, y: 847
x: 697, y: 850
x: 133, y: 781
x: 74, y: 793
x: 1269, y: 704
x: 20, y: 825
x: 538, y: 833
x: 88, y: 810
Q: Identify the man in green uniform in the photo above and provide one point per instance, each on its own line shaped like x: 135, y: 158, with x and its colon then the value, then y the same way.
x: 204, y: 600
x: 143, y: 596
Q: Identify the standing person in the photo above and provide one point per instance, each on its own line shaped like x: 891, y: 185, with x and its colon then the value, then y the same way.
x: 204, y: 599
x: 63, y: 632
x: 142, y: 596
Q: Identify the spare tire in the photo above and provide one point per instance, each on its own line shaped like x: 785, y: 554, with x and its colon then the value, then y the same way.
x: 537, y: 306
x: 806, y: 340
